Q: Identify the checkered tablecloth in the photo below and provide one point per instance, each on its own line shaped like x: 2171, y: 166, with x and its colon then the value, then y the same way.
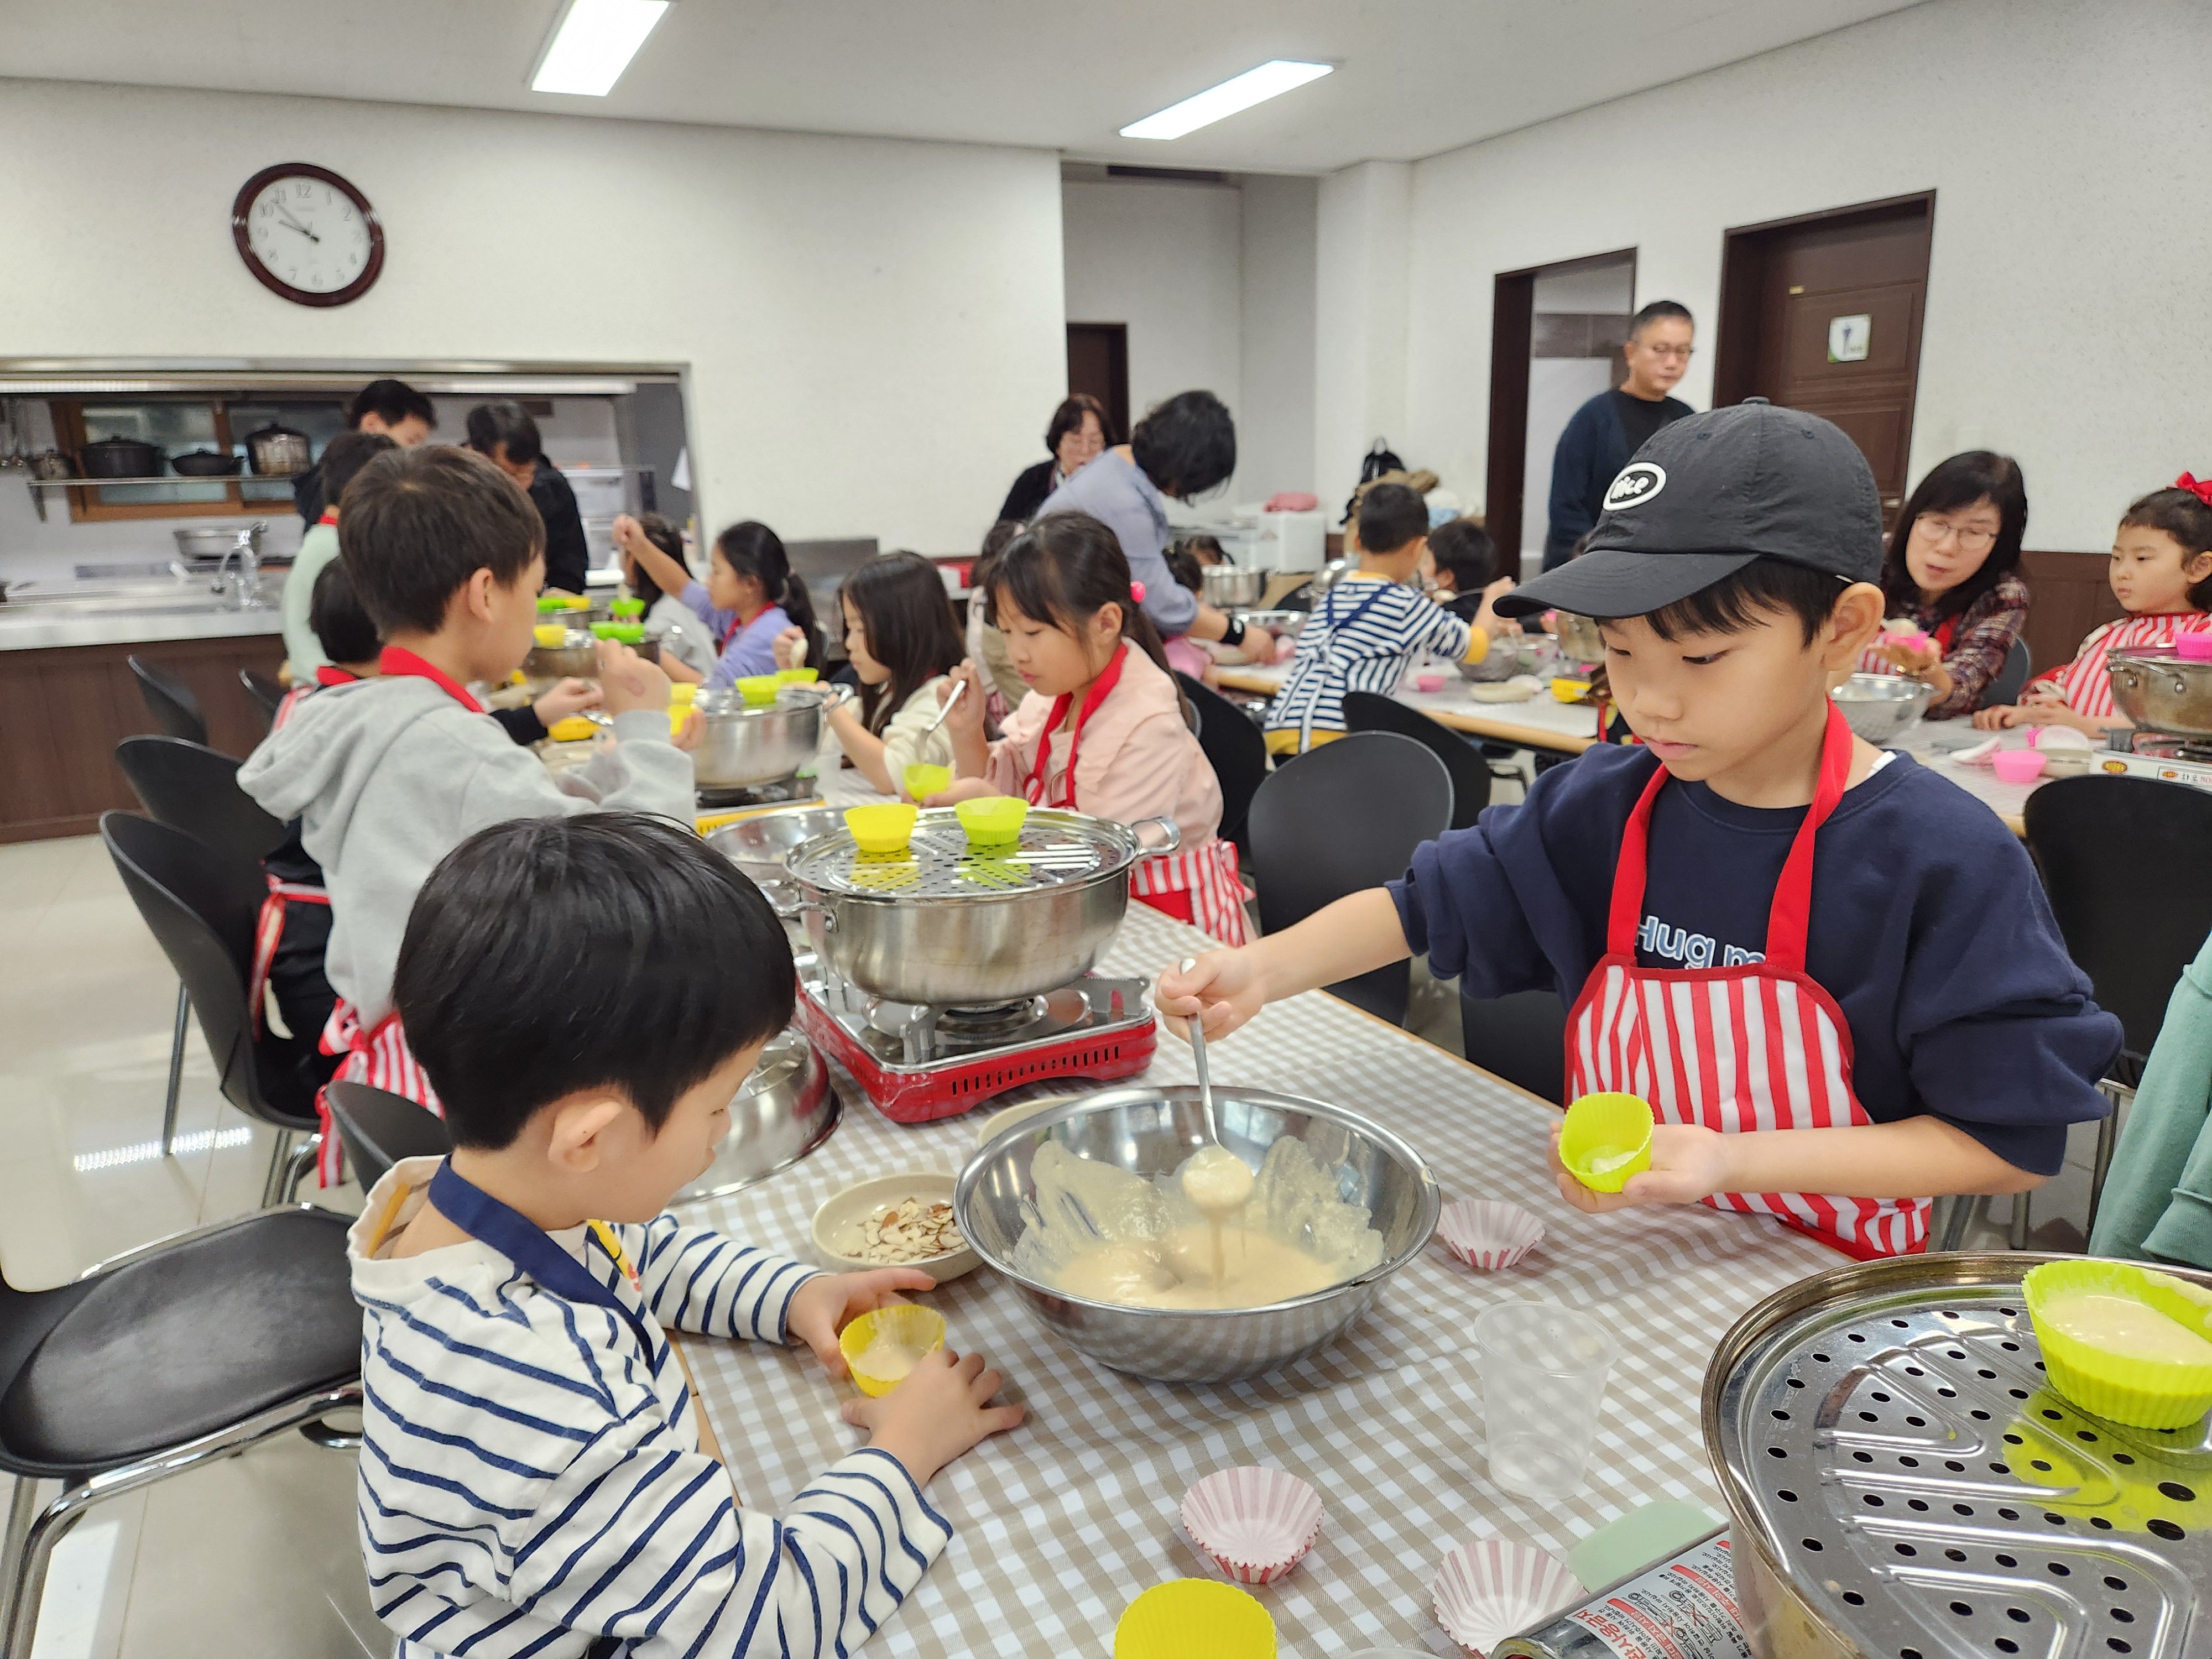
x: 1057, y: 1525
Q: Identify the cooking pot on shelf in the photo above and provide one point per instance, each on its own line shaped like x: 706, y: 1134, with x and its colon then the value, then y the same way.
x: 741, y: 745
x: 121, y: 457
x: 784, y: 1110
x: 279, y: 451
x: 50, y: 464
x: 940, y: 924
x: 1232, y: 588
x: 1860, y: 1418
x: 2163, y: 689
x: 205, y: 464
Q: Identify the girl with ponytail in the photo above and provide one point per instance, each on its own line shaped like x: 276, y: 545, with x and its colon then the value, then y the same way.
x: 1102, y: 730
x: 750, y: 595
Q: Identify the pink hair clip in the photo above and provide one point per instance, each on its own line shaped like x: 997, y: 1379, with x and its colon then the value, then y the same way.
x: 1137, y: 592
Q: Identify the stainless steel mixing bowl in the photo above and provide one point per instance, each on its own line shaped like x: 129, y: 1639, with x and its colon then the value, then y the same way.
x: 2163, y: 689
x: 1280, y: 622
x: 758, y: 845
x: 1149, y: 1132
x: 1232, y: 588
x: 785, y: 1110
x: 1878, y: 707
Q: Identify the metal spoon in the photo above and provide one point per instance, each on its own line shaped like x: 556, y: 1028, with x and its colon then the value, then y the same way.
x: 958, y: 686
x: 1196, y: 1024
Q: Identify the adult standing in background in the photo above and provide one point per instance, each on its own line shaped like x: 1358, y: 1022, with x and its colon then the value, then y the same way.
x: 392, y: 407
x: 1604, y: 433
x: 1076, y: 435
x: 508, y: 438
x: 1182, y: 447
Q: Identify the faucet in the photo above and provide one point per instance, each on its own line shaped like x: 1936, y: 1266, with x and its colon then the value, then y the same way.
x: 245, y: 592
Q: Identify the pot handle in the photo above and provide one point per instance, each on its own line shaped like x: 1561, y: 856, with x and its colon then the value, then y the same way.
x: 784, y: 899
x: 1171, y: 834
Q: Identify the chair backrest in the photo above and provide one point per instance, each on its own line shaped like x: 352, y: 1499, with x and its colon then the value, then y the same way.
x: 1237, y: 750
x: 189, y: 787
x: 170, y: 702
x: 201, y: 907
x: 2097, y: 839
x: 265, y: 692
x: 380, y: 1128
x: 2019, y: 663
x: 1345, y: 816
x: 1364, y: 711
x: 1522, y: 1038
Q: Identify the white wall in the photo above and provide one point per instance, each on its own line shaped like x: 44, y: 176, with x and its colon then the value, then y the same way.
x: 1275, y: 413
x: 2067, y: 318
x: 1361, y: 323
x: 873, y: 327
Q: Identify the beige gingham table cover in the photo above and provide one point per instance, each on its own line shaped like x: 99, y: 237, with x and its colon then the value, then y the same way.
x: 1057, y: 1525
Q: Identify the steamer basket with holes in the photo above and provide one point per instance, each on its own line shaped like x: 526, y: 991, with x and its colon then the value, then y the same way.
x: 1904, y: 1483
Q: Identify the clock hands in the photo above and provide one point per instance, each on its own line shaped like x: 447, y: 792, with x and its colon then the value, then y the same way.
x: 296, y: 225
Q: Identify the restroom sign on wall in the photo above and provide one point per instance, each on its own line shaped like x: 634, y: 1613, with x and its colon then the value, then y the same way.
x: 1849, y: 337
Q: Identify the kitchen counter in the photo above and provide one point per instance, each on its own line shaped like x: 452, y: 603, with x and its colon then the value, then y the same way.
x: 46, y: 628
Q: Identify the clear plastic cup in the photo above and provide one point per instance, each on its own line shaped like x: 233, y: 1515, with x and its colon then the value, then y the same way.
x: 1544, y: 1370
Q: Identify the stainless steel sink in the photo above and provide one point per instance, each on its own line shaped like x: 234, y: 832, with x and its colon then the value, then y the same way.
x: 184, y: 598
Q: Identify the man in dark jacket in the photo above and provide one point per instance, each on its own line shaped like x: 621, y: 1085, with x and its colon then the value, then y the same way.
x: 392, y: 407
x: 1604, y: 433
x: 508, y: 438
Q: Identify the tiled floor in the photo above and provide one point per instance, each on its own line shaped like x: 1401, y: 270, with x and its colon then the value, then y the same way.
x: 248, y: 1558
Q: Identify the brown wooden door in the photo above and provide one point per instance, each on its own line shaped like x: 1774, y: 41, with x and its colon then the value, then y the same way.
x: 1098, y: 363
x: 1823, y: 314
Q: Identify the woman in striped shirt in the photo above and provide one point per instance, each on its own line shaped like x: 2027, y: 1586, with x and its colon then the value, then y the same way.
x: 2161, y: 574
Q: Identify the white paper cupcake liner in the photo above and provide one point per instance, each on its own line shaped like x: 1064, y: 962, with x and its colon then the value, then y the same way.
x: 1257, y: 1523
x: 1487, y: 1590
x: 1488, y: 1234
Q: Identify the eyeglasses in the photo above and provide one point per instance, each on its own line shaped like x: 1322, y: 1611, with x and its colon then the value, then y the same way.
x: 1684, y: 352
x: 1935, y: 531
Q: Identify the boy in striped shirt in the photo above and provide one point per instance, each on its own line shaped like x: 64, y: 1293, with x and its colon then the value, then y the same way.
x: 1368, y: 629
x: 587, y: 994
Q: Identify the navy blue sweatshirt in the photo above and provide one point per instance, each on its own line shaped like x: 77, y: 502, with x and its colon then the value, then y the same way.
x: 1593, y: 446
x: 1929, y: 928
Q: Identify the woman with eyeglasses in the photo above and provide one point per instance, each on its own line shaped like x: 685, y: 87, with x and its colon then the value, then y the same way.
x: 1953, y: 574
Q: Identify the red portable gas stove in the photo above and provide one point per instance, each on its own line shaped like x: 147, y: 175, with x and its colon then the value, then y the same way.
x: 917, y: 1062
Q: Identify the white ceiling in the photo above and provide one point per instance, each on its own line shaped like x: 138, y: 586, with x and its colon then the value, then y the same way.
x: 1415, y: 76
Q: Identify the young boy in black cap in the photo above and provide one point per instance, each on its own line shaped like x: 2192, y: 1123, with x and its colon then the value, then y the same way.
x: 1759, y: 920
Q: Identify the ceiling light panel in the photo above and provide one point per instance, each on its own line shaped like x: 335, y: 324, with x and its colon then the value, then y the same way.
x: 1256, y: 86
x: 593, y: 45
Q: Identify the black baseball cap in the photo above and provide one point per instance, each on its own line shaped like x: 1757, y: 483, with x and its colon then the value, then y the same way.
x: 1704, y: 497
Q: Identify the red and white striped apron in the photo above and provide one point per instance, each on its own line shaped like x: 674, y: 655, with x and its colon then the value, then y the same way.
x: 2086, y: 685
x: 1197, y: 885
x: 1759, y: 1045
x: 379, y: 1055
x: 269, y: 926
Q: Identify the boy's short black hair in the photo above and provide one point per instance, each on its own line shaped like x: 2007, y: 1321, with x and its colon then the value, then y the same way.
x: 417, y: 524
x: 344, y: 631
x: 345, y: 455
x: 1187, y: 445
x: 1391, y: 516
x: 491, y: 425
x: 391, y: 402
x: 1464, y: 548
x: 609, y: 950
x: 1761, y: 588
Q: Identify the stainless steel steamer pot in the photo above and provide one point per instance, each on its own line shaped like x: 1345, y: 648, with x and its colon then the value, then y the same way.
x: 1232, y: 588
x: 2163, y: 691
x: 1901, y: 1478
x: 942, y: 926
x: 743, y: 745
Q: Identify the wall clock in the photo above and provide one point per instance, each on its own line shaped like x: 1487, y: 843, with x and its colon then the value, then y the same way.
x: 309, y: 235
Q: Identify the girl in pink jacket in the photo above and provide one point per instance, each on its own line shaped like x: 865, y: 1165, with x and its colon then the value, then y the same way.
x: 1102, y: 729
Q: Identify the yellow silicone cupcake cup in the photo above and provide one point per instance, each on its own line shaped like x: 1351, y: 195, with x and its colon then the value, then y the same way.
x: 797, y: 675
x: 1188, y: 1616
x: 552, y: 636
x: 904, y: 1322
x: 682, y: 691
x: 922, y: 780
x: 574, y: 728
x: 1567, y: 690
x: 758, y: 690
x: 2143, y: 1393
x: 992, y: 820
x: 885, y: 829
x: 1607, y: 1138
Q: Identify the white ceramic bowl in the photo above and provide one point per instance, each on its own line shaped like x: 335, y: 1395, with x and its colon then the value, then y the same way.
x: 837, y: 1224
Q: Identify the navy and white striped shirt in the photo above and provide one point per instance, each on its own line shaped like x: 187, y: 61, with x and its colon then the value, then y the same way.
x: 531, y: 1482
x: 1360, y: 638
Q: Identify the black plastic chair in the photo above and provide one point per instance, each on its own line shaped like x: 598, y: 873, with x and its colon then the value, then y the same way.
x: 1522, y: 1038
x: 191, y: 1349
x: 1239, y: 752
x: 170, y: 702
x: 378, y: 1129
x: 1363, y: 711
x: 265, y: 692
x: 189, y: 787
x: 1346, y: 816
x: 202, y: 908
x: 2019, y: 663
x: 2093, y: 838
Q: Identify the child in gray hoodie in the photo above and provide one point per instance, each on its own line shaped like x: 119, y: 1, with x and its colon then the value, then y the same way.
x: 387, y: 775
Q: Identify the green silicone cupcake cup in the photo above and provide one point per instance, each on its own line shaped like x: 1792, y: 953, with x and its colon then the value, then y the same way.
x: 1607, y: 1138
x: 621, y: 632
x: 627, y: 608
x: 992, y: 820
x: 797, y: 675
x: 923, y: 780
x: 757, y: 690
x: 2143, y: 1394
